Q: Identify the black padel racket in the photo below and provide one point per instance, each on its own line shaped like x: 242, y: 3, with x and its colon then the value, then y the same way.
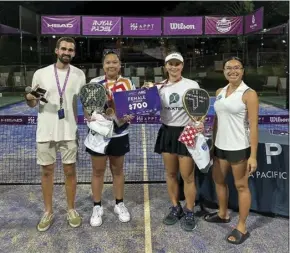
x: 93, y: 97
x: 196, y: 103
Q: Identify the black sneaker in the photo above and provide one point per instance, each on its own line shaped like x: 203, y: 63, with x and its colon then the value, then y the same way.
x: 188, y: 221
x: 176, y: 213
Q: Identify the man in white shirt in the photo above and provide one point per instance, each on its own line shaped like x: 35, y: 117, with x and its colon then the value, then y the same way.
x: 57, y: 126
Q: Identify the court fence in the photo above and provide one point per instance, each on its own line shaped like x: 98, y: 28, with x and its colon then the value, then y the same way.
x: 18, y: 157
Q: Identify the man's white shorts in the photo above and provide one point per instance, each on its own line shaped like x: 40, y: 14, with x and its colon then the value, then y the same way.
x: 46, y: 152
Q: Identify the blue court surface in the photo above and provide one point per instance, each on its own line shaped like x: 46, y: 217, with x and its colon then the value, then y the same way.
x: 22, y: 206
x: 18, y: 157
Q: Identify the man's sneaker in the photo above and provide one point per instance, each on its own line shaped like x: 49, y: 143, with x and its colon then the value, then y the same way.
x: 45, y: 222
x: 176, y: 213
x: 74, y: 219
x: 122, y: 211
x: 96, y: 218
x: 188, y: 221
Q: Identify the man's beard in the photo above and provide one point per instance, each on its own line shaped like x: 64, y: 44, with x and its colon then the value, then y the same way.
x: 65, y: 59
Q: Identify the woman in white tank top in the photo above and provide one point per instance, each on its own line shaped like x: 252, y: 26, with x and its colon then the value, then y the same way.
x: 235, y: 136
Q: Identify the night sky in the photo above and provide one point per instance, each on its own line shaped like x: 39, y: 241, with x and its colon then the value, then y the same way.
x: 118, y: 8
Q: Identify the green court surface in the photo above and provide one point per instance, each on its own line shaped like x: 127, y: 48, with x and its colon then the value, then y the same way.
x: 278, y: 101
x: 8, y: 100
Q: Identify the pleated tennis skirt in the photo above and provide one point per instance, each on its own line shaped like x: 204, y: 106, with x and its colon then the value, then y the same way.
x: 167, y: 141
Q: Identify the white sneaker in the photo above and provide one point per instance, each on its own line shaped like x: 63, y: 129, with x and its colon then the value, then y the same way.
x: 96, y: 218
x: 122, y: 211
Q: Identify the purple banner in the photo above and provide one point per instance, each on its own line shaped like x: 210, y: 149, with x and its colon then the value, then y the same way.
x: 101, y: 26
x: 254, y: 21
x: 142, y: 26
x: 223, y: 25
x: 182, y: 25
x: 141, y: 119
x: 61, y: 25
x: 137, y: 102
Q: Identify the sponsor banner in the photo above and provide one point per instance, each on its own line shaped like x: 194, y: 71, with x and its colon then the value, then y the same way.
x: 61, y: 25
x: 254, y: 21
x: 152, y: 119
x: 269, y: 184
x: 101, y: 26
x: 18, y: 120
x: 223, y: 25
x: 274, y: 119
x: 142, y: 26
x: 182, y: 25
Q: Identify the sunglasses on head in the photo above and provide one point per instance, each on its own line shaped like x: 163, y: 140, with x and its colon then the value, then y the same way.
x: 111, y: 52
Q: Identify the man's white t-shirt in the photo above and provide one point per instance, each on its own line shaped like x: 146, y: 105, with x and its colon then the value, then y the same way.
x: 49, y: 126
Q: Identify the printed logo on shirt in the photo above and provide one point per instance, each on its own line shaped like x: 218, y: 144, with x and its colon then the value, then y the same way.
x: 173, y: 98
x: 204, y: 146
x: 219, y: 97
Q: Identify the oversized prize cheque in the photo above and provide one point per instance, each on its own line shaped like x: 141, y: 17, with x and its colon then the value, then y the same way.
x: 137, y: 102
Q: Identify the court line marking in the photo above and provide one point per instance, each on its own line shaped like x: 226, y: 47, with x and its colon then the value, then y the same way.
x: 147, y: 218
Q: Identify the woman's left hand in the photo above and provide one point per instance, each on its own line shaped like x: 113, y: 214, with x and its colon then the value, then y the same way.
x: 127, y: 118
x: 252, y: 165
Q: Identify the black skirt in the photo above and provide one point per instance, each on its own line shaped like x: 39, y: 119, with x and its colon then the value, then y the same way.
x: 167, y: 141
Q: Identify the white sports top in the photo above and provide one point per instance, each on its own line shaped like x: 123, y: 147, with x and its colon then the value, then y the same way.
x: 121, y: 84
x: 232, y: 129
x: 172, y: 112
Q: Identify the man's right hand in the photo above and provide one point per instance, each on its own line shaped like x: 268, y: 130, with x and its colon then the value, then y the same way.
x: 30, y: 97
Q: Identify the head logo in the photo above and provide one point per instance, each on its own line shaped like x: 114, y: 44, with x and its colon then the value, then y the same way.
x: 270, y: 153
x: 60, y: 25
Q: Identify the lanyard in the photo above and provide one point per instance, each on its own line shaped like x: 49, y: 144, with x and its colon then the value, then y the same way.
x: 61, y: 92
x: 166, y: 82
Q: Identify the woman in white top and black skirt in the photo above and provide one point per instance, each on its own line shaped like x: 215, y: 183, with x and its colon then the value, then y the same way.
x: 175, y: 154
x: 236, y: 142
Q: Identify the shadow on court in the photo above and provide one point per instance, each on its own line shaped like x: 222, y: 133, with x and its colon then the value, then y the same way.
x: 21, y: 208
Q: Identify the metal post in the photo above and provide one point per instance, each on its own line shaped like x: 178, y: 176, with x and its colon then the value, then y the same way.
x: 21, y: 35
x: 287, y: 69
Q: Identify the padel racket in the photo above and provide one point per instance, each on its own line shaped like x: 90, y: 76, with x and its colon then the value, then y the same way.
x: 93, y: 97
x: 196, y: 103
